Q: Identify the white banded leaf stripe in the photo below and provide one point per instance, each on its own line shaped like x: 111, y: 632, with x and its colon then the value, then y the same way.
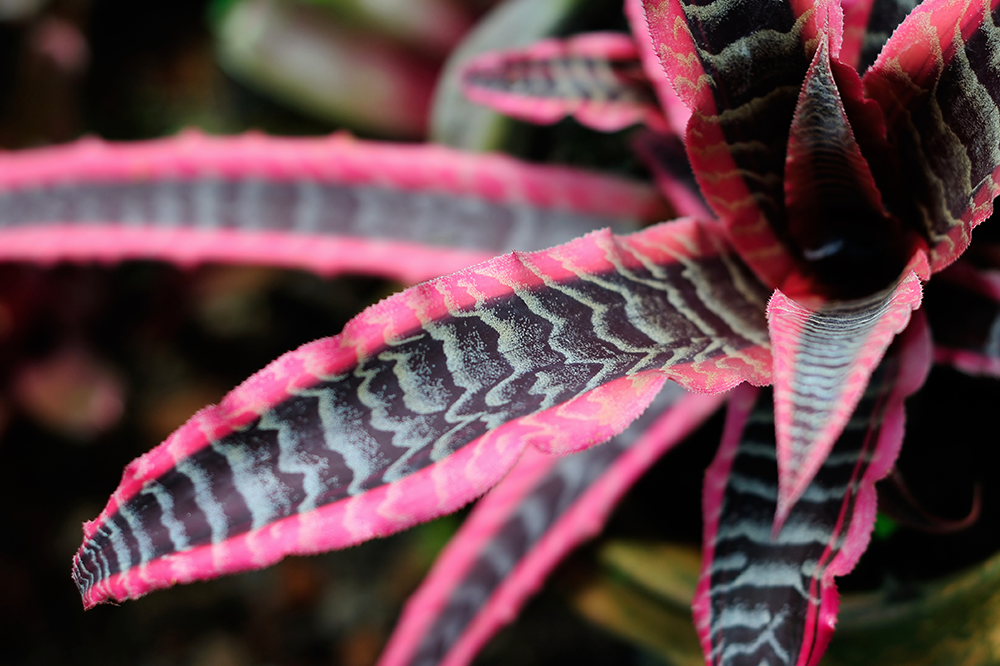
x: 765, y: 590
x: 421, y: 396
x: 330, y: 204
x: 496, y: 550
x: 305, y: 207
x: 943, y: 120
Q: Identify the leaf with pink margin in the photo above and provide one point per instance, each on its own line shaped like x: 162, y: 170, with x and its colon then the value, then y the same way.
x: 596, y: 78
x: 881, y: 17
x: 963, y: 308
x: 938, y: 87
x: 738, y: 133
x: 326, y: 204
x: 676, y: 112
x: 425, y: 401
x: 823, y: 359
x: 766, y: 597
x: 521, y: 529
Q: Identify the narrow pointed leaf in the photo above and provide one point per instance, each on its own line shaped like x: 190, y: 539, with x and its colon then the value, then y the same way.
x: 847, y: 245
x: 823, y: 359
x: 330, y: 205
x: 938, y: 83
x: 771, y: 598
x: 596, y: 78
x: 517, y: 534
x: 426, y: 400
x: 739, y: 131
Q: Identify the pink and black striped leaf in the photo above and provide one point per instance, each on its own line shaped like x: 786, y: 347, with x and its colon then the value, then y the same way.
x: 522, y: 528
x: 938, y: 85
x: 330, y: 205
x: 426, y: 400
x: 846, y: 245
x: 769, y: 597
x: 596, y: 78
x: 739, y: 131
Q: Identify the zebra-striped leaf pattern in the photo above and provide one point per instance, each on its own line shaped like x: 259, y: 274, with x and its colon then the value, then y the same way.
x: 823, y: 359
x: 938, y: 83
x: 740, y: 124
x: 517, y: 533
x: 768, y: 597
x: 596, y: 78
x: 846, y: 244
x: 426, y: 400
x: 329, y: 205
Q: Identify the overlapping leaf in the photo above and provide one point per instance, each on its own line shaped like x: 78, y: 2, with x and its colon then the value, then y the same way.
x: 544, y: 508
x: 768, y: 596
x: 597, y: 78
x: 426, y: 400
x: 938, y: 85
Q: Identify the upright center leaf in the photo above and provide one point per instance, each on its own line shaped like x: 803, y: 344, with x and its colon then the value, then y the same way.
x: 847, y: 245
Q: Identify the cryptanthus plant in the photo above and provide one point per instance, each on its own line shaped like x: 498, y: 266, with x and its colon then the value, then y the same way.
x: 831, y: 196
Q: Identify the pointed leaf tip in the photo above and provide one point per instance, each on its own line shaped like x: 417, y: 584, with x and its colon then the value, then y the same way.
x: 823, y: 359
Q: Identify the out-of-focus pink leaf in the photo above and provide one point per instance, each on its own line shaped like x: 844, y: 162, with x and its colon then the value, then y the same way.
x: 303, y: 55
x: 596, y: 78
x: 72, y: 392
x: 738, y: 133
x: 963, y: 308
x: 516, y: 534
x: 434, y: 26
x: 330, y: 205
x: 426, y: 400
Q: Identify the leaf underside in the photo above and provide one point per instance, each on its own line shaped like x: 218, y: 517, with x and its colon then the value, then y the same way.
x: 425, y: 400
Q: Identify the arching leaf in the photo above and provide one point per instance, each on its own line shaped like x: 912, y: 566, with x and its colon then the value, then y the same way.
x: 330, y: 205
x: 426, y: 400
